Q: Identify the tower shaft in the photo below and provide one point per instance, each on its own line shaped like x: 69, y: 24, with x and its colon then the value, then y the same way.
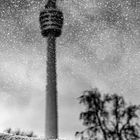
x: 51, y: 22
x: 51, y: 90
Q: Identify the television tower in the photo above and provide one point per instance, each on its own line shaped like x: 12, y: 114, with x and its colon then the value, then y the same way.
x: 51, y: 22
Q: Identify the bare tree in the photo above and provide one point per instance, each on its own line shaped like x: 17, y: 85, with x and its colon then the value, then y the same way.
x: 109, y: 117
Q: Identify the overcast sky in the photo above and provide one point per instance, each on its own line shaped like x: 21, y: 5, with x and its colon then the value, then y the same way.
x: 99, y: 47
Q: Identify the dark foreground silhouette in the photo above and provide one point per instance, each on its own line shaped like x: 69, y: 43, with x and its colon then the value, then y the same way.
x: 108, y: 117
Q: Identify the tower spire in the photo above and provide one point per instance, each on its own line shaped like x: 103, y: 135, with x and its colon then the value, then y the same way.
x: 51, y: 22
x: 51, y: 4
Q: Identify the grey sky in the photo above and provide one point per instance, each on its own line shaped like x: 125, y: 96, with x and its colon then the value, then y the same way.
x: 99, y: 47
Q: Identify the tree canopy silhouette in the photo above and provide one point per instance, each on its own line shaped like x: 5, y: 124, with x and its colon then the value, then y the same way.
x: 18, y: 132
x: 109, y: 117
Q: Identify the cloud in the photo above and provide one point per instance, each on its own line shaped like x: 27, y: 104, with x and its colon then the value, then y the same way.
x: 93, y: 51
x: 21, y: 89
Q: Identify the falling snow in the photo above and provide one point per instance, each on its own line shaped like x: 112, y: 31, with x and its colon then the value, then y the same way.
x: 99, y: 47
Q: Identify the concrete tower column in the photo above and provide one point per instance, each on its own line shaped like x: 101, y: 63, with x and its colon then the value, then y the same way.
x: 51, y: 21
